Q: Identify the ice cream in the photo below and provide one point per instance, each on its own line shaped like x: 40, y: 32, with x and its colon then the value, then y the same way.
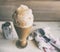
x: 24, y: 17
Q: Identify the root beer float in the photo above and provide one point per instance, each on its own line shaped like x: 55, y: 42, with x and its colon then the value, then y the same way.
x: 23, y: 21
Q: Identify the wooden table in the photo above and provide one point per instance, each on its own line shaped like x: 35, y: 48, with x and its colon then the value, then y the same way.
x: 9, y: 45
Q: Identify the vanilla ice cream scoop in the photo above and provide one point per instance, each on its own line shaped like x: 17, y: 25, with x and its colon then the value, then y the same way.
x: 23, y: 17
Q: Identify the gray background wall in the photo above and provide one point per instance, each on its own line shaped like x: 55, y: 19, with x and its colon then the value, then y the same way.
x: 42, y: 10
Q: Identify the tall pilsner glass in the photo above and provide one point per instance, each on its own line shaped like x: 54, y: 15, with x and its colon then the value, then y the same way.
x: 23, y: 21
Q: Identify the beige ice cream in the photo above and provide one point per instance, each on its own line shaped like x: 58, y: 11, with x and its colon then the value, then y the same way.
x: 24, y: 17
x: 23, y: 21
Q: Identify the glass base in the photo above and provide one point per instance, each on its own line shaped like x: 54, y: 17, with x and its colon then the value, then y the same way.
x: 18, y: 44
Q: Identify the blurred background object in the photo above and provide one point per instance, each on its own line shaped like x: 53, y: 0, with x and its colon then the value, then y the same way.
x: 43, y: 10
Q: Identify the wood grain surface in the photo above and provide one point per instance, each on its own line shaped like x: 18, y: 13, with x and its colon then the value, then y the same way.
x: 42, y: 10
